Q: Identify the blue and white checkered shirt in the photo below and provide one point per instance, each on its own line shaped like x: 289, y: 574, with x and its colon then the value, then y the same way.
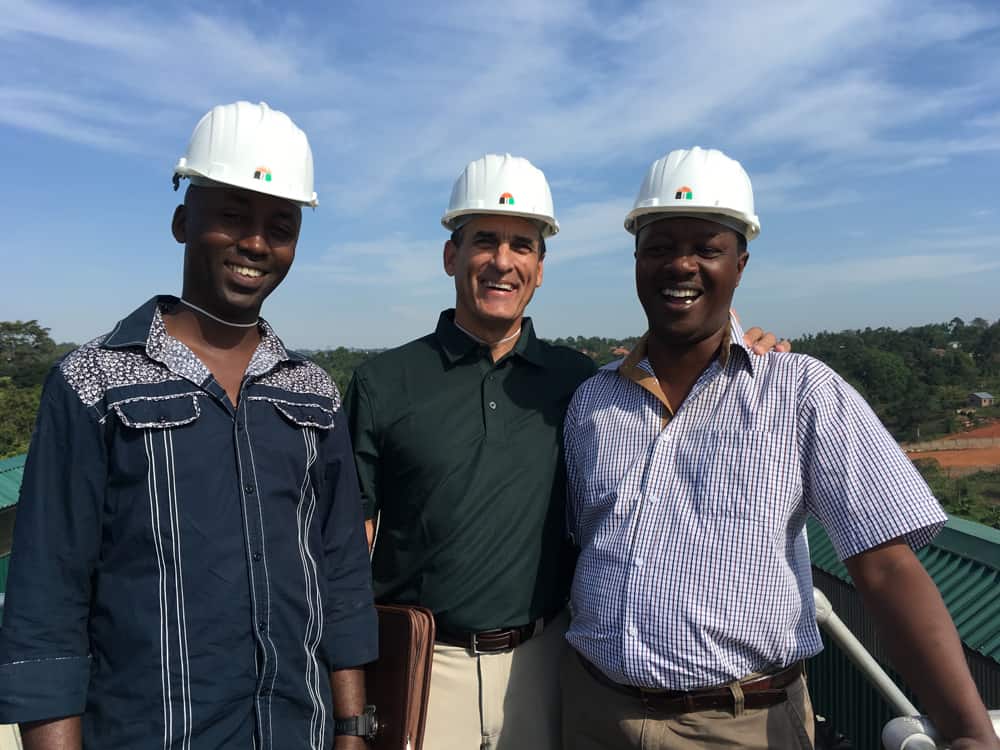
x: 694, y: 566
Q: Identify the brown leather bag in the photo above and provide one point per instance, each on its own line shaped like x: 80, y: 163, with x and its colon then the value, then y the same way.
x: 399, y: 683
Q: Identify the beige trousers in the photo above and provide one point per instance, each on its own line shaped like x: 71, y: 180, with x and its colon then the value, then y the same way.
x: 598, y: 717
x: 507, y: 701
x: 10, y: 739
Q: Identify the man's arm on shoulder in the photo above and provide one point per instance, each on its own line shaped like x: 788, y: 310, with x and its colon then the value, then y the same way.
x: 365, y: 439
x: 762, y: 342
x: 44, y: 644
x: 918, y: 633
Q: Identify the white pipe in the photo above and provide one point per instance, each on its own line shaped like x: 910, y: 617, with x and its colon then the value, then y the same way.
x: 917, y: 733
x: 857, y: 653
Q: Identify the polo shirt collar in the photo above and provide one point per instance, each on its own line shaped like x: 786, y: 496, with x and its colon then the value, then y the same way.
x: 457, y: 344
x: 144, y: 327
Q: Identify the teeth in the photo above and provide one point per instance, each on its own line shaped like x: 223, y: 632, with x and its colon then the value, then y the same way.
x: 689, y: 294
x: 244, y: 271
x: 498, y: 285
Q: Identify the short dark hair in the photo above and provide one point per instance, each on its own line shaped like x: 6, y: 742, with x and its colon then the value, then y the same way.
x: 456, y: 238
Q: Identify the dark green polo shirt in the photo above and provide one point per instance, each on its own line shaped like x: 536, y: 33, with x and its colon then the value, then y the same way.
x: 462, y: 456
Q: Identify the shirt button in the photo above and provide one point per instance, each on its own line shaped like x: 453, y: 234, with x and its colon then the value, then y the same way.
x: 256, y: 556
x: 493, y: 405
x: 633, y: 631
x: 262, y: 625
x: 163, y: 420
x: 248, y: 488
x: 239, y: 427
x: 637, y: 562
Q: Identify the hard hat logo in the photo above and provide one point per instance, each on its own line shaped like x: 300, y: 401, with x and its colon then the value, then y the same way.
x: 262, y: 173
x: 684, y: 194
x: 506, y: 199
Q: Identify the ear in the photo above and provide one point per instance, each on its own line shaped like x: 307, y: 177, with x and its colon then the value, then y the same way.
x: 449, y: 257
x: 741, y: 263
x: 541, y: 272
x: 178, y: 225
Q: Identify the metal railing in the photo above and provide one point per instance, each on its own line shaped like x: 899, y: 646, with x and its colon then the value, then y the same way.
x: 910, y: 730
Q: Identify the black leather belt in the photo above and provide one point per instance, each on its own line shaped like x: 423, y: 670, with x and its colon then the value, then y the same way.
x: 493, y: 641
x: 761, y: 692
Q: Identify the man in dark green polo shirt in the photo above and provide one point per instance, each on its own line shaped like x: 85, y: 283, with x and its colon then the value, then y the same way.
x: 457, y: 438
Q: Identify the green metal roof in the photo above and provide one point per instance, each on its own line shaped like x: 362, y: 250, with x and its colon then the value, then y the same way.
x: 964, y: 562
x: 11, y: 470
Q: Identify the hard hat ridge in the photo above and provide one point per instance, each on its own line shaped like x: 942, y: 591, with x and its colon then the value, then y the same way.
x: 254, y: 147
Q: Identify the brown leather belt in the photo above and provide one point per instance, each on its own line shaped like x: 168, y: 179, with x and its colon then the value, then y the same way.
x: 760, y: 692
x: 492, y: 641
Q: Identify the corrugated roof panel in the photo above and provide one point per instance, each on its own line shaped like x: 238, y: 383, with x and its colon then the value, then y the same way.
x: 11, y: 470
x: 964, y: 563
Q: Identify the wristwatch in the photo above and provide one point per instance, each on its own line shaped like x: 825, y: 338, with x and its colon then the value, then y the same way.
x: 365, y: 725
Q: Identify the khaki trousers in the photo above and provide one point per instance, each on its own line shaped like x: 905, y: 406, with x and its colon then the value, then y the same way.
x: 598, y: 717
x: 10, y: 739
x: 506, y: 701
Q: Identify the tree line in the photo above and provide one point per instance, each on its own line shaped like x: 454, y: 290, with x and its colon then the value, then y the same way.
x: 917, y: 380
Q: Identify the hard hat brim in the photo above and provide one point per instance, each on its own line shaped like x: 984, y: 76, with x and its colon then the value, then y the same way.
x: 549, y: 226
x: 750, y: 224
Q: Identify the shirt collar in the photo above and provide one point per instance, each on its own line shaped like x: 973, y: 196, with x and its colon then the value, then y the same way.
x: 734, y: 346
x: 457, y: 344
x: 144, y: 327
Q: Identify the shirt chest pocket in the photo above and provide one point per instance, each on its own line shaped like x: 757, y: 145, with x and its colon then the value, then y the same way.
x: 158, y: 412
x: 299, y: 415
x: 748, y: 475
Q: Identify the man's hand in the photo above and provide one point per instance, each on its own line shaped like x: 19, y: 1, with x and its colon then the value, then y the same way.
x: 917, y: 631
x: 762, y: 342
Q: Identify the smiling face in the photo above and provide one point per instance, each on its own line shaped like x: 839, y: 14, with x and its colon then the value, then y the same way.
x: 496, y: 269
x: 686, y: 271
x: 238, y: 247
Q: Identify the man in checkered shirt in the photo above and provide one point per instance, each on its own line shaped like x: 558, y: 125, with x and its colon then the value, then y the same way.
x: 692, y: 465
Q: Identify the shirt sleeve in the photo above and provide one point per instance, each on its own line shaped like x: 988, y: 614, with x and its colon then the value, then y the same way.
x: 350, y: 624
x: 44, y: 644
x: 572, y: 472
x: 364, y: 436
x: 856, y: 479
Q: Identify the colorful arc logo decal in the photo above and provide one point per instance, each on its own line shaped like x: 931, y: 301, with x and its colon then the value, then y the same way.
x: 684, y: 193
x: 262, y: 173
x: 506, y: 199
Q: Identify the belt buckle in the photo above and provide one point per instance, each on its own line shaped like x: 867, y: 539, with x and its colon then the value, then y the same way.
x: 474, y: 644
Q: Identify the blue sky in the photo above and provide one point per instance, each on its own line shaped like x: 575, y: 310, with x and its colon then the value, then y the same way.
x: 870, y: 129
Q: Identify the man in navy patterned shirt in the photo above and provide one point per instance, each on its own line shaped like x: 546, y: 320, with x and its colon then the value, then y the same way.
x: 189, y: 566
x: 691, y: 466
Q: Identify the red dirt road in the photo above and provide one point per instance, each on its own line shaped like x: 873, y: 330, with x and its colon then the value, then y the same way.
x: 989, y: 431
x: 986, y: 458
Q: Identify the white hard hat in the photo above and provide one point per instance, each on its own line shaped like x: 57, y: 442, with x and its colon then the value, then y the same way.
x: 251, y: 146
x: 506, y: 185
x: 698, y: 183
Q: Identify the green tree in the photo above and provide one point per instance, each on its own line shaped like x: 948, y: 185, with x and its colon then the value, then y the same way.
x: 26, y: 351
x: 18, y: 406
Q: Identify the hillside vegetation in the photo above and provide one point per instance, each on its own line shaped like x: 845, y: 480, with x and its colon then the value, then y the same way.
x: 917, y: 380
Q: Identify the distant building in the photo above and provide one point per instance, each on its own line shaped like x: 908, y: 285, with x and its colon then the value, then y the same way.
x: 981, y: 399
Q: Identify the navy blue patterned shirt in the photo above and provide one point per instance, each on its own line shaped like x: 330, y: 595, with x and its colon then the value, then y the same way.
x: 185, y: 573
